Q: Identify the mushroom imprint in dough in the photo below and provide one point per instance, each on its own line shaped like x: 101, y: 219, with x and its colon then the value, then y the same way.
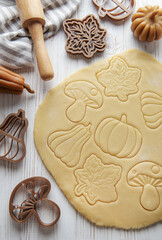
x: 85, y: 94
x: 113, y: 132
x: 147, y: 175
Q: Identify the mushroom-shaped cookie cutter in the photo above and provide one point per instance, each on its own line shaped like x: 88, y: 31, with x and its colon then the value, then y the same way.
x: 147, y: 175
x: 30, y: 205
x: 85, y: 95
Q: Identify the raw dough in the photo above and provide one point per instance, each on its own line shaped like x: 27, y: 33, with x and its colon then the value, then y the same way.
x: 99, y: 133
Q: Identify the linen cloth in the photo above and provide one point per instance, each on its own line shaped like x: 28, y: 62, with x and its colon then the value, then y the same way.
x: 15, y: 43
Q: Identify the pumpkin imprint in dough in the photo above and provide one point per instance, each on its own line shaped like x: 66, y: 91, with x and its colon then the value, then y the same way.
x: 147, y: 175
x: 118, y: 138
x: 85, y: 94
x: 91, y: 150
x: 119, y: 80
x: 97, y: 181
x: 67, y: 145
x: 151, y: 104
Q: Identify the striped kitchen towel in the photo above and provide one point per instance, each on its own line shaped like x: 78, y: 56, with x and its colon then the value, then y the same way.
x: 15, y: 43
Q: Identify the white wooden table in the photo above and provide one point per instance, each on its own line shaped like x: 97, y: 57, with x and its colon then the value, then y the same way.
x: 71, y: 224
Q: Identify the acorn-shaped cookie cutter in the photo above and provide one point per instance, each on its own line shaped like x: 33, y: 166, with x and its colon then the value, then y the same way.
x: 12, y: 131
x: 21, y: 213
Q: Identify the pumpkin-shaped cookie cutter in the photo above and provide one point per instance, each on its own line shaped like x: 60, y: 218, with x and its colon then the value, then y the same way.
x: 30, y: 205
x: 12, y: 131
x: 118, y: 11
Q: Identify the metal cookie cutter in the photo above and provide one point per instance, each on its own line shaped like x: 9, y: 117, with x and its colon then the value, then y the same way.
x: 34, y: 190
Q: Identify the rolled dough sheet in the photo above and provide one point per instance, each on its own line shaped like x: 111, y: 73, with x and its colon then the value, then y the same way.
x: 99, y: 133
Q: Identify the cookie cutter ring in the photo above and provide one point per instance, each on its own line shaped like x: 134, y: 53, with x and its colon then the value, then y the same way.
x: 21, y: 213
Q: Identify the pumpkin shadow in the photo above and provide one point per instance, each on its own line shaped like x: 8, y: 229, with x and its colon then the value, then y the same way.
x: 149, y: 47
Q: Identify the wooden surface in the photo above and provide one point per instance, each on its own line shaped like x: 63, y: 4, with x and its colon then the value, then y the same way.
x: 71, y: 225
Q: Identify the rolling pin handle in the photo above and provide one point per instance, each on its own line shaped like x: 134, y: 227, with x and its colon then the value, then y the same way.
x: 43, y: 60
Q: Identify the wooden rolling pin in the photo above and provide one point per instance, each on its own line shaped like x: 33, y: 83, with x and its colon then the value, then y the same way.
x: 32, y: 18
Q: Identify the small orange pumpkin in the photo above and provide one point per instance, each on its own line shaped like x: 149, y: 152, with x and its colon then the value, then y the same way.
x: 118, y: 138
x: 147, y: 23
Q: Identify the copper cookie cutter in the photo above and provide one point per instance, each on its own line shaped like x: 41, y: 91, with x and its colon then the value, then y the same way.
x: 12, y: 131
x: 114, y: 9
x: 22, y: 212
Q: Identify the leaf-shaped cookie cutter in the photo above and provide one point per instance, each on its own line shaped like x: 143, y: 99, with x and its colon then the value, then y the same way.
x: 17, y: 124
x: 84, y: 36
x: 28, y: 207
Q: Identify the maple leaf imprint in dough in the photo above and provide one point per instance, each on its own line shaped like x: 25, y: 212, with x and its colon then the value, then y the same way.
x: 119, y: 79
x: 97, y: 181
x: 84, y: 36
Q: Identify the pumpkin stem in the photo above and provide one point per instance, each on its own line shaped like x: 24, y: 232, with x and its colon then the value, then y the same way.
x: 123, y: 118
x: 27, y: 87
x: 153, y: 14
x: 88, y: 127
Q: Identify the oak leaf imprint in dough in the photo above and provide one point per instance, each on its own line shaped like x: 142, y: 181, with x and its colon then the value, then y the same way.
x: 76, y: 182
x: 152, y: 109
x: 97, y: 181
x: 119, y: 80
x: 118, y: 138
x: 85, y: 94
x: 67, y: 145
x: 147, y: 175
